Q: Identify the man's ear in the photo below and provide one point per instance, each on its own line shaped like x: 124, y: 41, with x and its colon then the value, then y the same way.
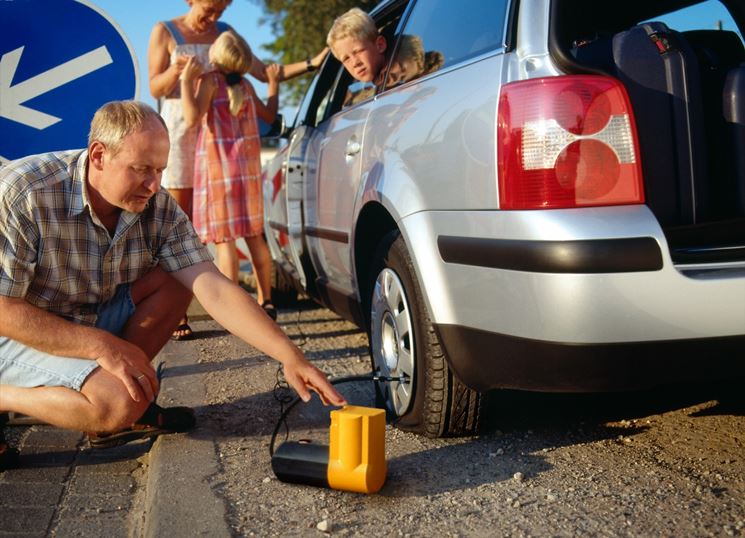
x: 381, y: 44
x: 96, y: 155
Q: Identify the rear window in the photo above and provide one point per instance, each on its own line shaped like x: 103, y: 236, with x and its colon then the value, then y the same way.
x: 708, y: 15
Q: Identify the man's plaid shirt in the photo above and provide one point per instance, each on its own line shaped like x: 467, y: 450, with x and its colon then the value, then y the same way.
x: 56, y: 254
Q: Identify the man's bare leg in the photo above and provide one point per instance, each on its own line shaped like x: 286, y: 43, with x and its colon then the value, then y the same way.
x: 161, y: 303
x: 103, y: 403
x: 184, y: 199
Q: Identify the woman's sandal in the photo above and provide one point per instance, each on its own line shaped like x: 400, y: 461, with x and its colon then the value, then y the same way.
x: 183, y: 331
x: 270, y: 309
x: 156, y: 421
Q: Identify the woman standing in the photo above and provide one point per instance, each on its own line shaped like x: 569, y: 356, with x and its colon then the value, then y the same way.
x: 171, y: 44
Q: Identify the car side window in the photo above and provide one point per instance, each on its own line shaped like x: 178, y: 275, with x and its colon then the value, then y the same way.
x: 303, y: 109
x: 347, y: 91
x: 440, y: 33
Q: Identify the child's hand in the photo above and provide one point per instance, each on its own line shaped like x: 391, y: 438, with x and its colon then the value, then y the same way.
x: 192, y: 68
x: 272, y: 73
x: 318, y: 58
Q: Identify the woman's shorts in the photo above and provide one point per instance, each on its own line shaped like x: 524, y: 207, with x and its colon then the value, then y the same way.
x: 24, y: 366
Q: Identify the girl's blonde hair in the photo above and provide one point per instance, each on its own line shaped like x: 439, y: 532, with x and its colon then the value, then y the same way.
x: 232, y: 56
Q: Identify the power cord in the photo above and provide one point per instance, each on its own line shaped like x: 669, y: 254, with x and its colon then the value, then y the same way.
x: 282, y: 389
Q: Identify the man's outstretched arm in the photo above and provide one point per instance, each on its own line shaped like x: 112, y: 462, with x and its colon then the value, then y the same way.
x: 233, y: 308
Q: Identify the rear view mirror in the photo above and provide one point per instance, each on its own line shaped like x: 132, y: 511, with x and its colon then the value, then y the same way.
x: 275, y: 130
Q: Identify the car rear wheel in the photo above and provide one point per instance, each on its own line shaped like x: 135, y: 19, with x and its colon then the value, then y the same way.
x: 423, y: 395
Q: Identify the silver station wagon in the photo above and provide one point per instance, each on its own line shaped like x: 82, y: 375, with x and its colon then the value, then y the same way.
x: 544, y: 195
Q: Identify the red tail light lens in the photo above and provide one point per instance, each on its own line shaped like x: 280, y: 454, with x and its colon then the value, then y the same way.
x: 566, y: 142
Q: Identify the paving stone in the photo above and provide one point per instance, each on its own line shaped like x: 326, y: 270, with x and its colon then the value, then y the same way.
x: 33, y: 494
x: 99, y: 504
x: 130, y: 451
x: 51, y: 475
x: 96, y: 525
x: 37, y: 456
x: 48, y: 436
x: 110, y: 468
x: 95, y: 483
x: 15, y: 520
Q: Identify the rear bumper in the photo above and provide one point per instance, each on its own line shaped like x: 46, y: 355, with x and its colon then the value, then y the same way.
x: 485, y: 360
x: 592, y: 277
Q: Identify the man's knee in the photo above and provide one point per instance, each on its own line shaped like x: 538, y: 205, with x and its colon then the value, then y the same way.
x: 112, y: 407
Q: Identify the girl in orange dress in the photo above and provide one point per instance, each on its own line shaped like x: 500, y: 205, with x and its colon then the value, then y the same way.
x: 228, y: 202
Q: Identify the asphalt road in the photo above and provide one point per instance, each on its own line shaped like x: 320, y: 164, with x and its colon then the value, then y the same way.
x: 668, y: 462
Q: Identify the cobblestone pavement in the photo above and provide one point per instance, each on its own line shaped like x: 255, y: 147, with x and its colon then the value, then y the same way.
x: 62, y: 488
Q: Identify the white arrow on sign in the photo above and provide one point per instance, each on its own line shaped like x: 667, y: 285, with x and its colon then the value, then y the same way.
x: 11, y: 97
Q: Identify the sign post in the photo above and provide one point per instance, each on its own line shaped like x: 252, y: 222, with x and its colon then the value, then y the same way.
x: 60, y: 60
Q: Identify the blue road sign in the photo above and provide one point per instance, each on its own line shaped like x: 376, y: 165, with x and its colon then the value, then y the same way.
x: 59, y: 61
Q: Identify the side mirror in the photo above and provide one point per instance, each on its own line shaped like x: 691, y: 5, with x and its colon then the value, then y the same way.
x: 277, y: 129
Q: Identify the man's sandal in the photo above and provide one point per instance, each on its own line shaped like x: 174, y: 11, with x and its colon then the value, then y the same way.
x: 156, y: 421
x: 8, y: 454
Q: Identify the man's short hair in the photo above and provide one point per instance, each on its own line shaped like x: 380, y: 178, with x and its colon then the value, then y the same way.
x: 356, y: 24
x: 115, y: 120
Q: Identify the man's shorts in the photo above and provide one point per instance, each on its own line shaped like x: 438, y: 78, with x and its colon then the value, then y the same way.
x: 24, y: 366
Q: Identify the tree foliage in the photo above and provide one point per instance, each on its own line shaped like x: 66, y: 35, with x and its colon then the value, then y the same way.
x: 300, y: 28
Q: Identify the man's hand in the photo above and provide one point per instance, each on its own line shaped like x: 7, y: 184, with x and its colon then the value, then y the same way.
x: 131, y: 366
x: 304, y: 377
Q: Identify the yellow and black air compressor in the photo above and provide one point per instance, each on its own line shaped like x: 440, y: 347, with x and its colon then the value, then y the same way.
x: 354, y: 460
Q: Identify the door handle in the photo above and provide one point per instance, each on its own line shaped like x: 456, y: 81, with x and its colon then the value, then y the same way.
x: 353, y: 147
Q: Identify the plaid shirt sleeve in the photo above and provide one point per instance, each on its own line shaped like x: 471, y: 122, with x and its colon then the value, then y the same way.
x: 19, y: 239
x: 179, y: 246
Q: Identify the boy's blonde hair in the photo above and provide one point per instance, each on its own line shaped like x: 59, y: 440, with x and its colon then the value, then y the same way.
x: 230, y: 53
x: 356, y: 24
x: 115, y: 120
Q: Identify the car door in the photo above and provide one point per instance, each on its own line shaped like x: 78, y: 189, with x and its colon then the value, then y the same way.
x: 283, y: 191
x: 334, y: 158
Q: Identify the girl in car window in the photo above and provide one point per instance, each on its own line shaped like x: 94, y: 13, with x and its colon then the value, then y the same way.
x: 228, y: 203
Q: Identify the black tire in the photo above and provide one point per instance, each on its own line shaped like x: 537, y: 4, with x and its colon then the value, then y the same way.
x: 439, y: 405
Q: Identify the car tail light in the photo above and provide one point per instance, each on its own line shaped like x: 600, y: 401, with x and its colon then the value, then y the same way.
x: 567, y: 141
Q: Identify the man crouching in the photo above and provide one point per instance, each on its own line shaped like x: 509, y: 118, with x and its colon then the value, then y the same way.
x: 97, y: 267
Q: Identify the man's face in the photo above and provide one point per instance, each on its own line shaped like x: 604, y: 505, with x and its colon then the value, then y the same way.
x: 132, y: 176
x: 364, y: 59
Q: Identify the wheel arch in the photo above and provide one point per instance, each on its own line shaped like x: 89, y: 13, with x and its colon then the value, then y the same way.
x: 373, y: 224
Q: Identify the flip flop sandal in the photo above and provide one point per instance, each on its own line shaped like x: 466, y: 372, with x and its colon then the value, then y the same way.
x: 156, y: 421
x: 270, y: 309
x: 183, y: 328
